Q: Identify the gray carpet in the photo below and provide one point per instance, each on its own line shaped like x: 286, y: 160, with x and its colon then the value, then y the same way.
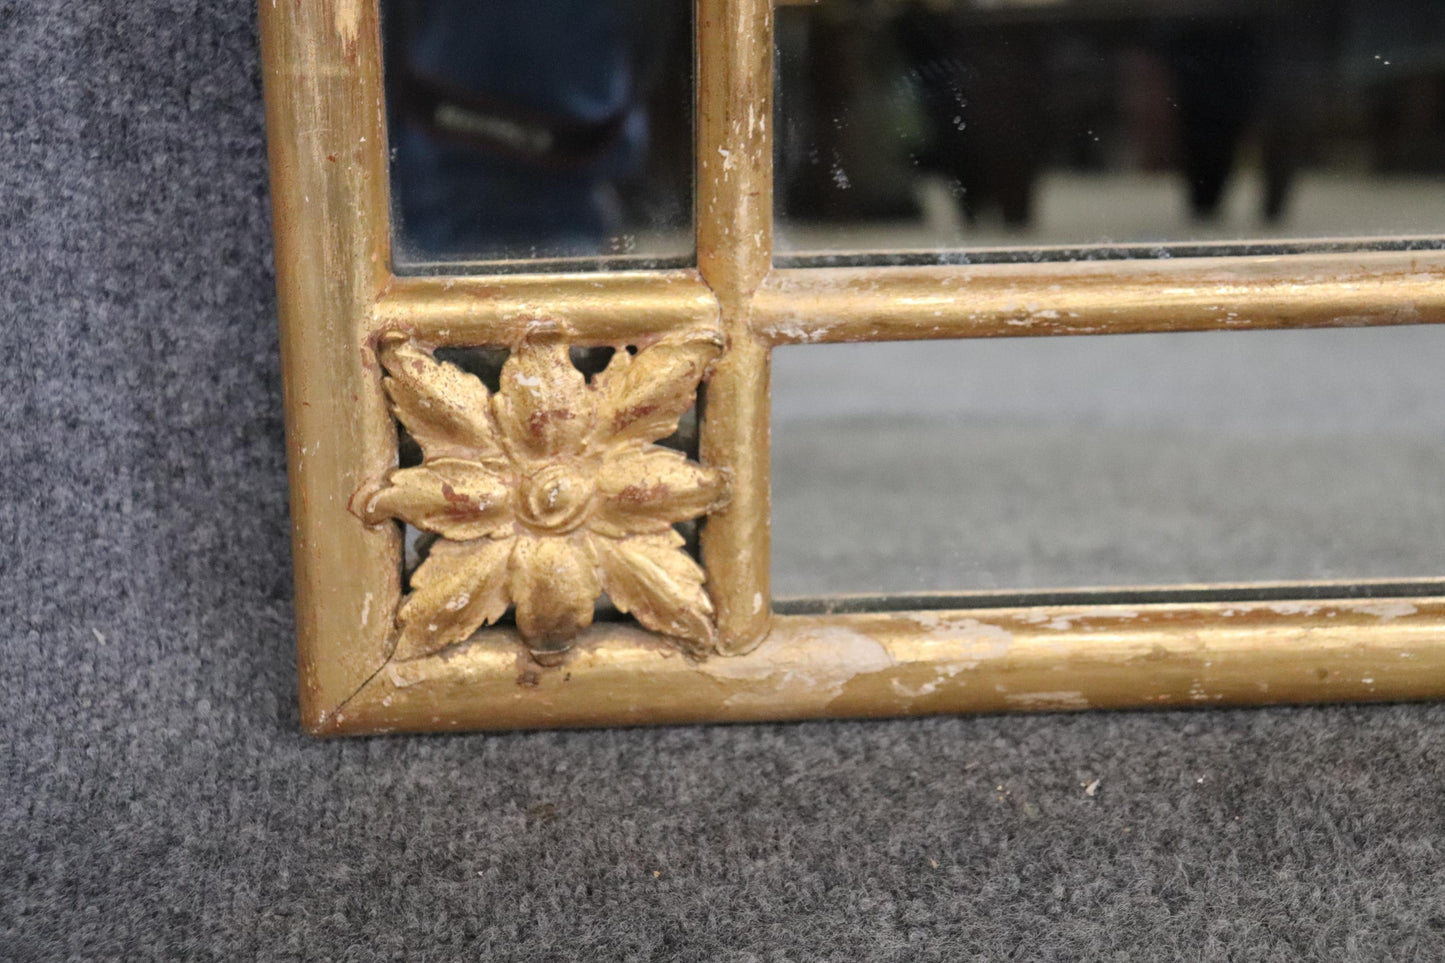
x: 158, y: 802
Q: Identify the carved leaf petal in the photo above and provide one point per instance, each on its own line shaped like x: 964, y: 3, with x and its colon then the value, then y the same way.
x: 554, y: 583
x: 646, y: 491
x: 544, y: 408
x: 458, y: 589
x: 649, y: 576
x: 445, y: 409
x: 642, y: 397
x: 457, y: 499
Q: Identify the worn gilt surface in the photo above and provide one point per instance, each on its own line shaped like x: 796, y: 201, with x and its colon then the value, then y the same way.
x: 547, y: 493
x: 543, y: 532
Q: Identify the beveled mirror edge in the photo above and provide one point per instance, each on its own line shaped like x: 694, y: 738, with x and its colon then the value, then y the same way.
x: 328, y: 158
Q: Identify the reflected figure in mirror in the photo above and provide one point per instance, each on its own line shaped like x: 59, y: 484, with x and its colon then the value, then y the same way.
x: 519, y: 126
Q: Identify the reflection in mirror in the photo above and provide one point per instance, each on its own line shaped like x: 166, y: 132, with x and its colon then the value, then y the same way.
x: 1109, y: 461
x: 528, y: 130
x: 934, y: 124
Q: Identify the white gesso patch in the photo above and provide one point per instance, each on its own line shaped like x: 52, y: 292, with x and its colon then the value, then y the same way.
x: 1390, y: 610
x: 922, y: 689
x: 1048, y: 700
x: 976, y: 640
x: 941, y: 674
x: 347, y: 20
x: 834, y: 657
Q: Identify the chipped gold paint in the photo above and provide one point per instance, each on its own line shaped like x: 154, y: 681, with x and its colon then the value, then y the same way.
x: 337, y: 294
x: 888, y: 664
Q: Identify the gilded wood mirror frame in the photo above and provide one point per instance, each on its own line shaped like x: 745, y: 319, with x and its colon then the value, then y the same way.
x: 349, y: 325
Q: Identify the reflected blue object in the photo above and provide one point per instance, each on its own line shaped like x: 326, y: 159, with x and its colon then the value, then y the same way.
x: 512, y: 123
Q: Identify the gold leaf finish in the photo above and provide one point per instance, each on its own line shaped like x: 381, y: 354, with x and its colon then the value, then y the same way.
x: 547, y: 493
x: 361, y: 645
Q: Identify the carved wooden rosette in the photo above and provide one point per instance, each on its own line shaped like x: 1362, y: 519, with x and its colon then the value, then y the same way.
x: 547, y: 493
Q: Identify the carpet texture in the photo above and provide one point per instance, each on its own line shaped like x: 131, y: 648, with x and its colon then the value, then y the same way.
x: 158, y: 802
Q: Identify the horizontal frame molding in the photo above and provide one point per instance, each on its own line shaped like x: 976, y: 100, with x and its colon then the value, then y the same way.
x: 821, y: 305
x: 1047, y: 658
x: 602, y: 308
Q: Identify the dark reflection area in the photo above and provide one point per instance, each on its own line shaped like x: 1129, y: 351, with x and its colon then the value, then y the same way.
x: 532, y: 130
x: 908, y: 125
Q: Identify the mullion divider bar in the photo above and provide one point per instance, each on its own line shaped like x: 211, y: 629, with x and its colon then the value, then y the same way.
x: 734, y: 253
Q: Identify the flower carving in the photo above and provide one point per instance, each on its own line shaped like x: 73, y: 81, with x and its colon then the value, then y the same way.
x: 547, y: 493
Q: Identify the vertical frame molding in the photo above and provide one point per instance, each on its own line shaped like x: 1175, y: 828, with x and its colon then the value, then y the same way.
x: 734, y: 214
x: 326, y: 129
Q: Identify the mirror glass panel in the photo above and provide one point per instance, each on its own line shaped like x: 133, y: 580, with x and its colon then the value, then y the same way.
x: 1109, y: 461
x: 539, y: 134
x: 1151, y: 126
